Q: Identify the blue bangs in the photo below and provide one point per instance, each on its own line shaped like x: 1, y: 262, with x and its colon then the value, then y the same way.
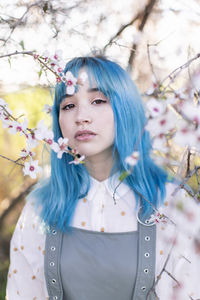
x: 68, y: 183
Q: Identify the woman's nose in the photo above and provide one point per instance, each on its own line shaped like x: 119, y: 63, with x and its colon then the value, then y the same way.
x: 83, y: 115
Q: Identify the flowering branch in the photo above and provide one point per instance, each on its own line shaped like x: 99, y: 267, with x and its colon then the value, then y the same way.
x: 172, y: 76
x: 18, y: 53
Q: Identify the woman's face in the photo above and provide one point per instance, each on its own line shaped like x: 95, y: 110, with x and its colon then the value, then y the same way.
x: 86, y: 119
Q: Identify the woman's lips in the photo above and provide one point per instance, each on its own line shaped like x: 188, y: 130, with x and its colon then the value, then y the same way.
x: 84, y: 135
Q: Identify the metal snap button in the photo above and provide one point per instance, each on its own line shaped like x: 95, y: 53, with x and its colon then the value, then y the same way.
x: 146, y: 221
x: 147, y: 238
x: 53, y: 248
x: 55, y: 298
x: 143, y: 288
x: 146, y: 271
x: 147, y: 254
x: 53, y: 281
x: 54, y: 231
x: 52, y: 264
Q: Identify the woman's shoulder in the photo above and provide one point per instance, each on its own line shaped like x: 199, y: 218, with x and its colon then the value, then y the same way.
x: 29, y: 226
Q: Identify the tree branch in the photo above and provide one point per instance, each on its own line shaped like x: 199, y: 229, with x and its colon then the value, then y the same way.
x: 122, y: 28
x: 144, y: 17
x: 17, y: 52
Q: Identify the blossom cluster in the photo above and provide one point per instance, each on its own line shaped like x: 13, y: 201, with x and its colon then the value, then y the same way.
x: 175, y: 119
x: 33, y: 136
x: 55, y: 64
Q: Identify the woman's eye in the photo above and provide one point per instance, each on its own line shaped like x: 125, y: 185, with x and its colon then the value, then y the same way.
x: 67, y: 106
x: 99, y: 101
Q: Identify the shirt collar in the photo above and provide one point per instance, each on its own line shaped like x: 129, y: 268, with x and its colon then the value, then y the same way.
x: 98, y: 186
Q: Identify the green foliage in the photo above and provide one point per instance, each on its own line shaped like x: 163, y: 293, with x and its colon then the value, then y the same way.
x: 22, y: 45
x: 123, y: 175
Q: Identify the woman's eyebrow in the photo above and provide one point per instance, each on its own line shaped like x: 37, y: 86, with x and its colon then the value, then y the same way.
x: 95, y: 89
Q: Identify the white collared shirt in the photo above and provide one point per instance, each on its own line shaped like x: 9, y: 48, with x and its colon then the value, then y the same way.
x: 98, y: 212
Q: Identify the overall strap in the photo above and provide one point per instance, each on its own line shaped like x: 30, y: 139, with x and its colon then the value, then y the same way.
x: 146, y: 262
x: 145, y: 269
x: 52, y: 264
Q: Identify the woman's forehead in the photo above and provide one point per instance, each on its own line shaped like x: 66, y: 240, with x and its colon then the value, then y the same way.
x: 86, y: 78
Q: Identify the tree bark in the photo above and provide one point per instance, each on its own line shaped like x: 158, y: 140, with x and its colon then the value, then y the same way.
x: 143, y: 20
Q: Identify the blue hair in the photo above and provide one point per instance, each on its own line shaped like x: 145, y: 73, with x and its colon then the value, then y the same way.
x: 68, y: 183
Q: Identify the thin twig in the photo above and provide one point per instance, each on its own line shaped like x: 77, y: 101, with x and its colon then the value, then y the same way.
x: 122, y: 28
x: 17, y: 52
x: 14, y: 161
x: 170, y: 275
x: 182, y: 184
x: 188, y: 161
x: 31, y: 53
x: 172, y: 76
x: 150, y: 62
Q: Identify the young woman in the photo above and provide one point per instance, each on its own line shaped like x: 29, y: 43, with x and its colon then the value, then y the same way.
x: 83, y: 235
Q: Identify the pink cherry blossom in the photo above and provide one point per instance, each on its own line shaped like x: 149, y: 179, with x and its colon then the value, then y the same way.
x: 31, y: 140
x: 55, y: 60
x: 158, y: 217
x: 42, y: 132
x: 60, y: 147
x: 47, y: 108
x: 5, y: 119
x: 70, y: 83
x: 153, y: 86
x: 191, y: 111
x: 162, y: 124
x: 185, y: 134
x: 132, y: 159
x: 45, y: 55
x: 155, y: 108
x: 26, y: 152
x: 31, y: 168
x: 59, y: 70
x: 78, y: 160
x: 160, y: 143
x: 15, y: 127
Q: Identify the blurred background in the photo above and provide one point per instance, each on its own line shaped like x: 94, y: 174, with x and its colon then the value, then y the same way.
x: 149, y: 38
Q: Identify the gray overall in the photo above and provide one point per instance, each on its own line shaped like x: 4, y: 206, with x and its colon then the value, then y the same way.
x: 90, y: 265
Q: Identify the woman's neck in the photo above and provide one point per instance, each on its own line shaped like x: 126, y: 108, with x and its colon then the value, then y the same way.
x: 99, y: 168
